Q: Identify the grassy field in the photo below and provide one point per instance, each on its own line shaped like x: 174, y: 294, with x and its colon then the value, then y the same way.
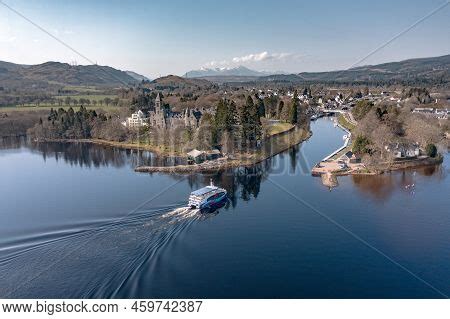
x: 92, y: 97
x: 48, y: 107
x: 278, y: 128
x: 349, y: 126
x: 82, y: 89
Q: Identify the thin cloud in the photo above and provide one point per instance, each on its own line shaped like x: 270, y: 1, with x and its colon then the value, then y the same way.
x: 8, y: 39
x: 213, y: 64
x: 252, y: 58
x: 263, y: 56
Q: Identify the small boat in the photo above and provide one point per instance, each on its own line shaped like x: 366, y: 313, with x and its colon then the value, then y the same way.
x: 344, y: 137
x: 207, y: 197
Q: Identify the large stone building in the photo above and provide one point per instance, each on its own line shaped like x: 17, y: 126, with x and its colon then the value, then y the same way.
x: 166, y: 119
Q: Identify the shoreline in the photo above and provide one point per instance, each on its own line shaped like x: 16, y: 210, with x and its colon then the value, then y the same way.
x: 329, y: 167
x: 123, y: 145
x: 299, y: 135
x: 385, y: 167
x: 287, y: 140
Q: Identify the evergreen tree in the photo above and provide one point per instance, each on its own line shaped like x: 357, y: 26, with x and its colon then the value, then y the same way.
x: 221, y: 115
x: 261, y: 108
x: 293, y: 110
x: 280, y: 109
x: 251, y: 122
x: 232, y: 117
x: 219, y: 123
x: 234, y: 125
x: 244, y: 119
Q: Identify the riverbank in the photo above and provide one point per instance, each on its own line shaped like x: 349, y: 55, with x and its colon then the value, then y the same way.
x: 271, y: 147
x: 343, y: 162
x: 336, y: 169
x: 159, y: 150
x: 422, y: 161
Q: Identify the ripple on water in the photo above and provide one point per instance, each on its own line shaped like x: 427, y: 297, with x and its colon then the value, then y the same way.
x: 99, y: 257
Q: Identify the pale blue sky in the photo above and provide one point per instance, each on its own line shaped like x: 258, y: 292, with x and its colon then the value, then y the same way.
x: 171, y: 37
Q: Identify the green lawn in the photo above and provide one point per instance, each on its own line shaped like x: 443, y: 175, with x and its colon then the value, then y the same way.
x: 278, y: 128
x: 349, y: 126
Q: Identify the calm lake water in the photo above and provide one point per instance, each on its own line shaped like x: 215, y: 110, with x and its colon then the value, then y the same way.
x: 77, y: 221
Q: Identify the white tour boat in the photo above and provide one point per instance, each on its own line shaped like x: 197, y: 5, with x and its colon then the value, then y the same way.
x: 207, y: 197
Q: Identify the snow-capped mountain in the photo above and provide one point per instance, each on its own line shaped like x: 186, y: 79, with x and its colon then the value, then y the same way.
x: 226, y: 71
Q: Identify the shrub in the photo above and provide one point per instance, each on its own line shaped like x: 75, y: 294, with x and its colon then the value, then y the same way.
x: 361, y: 109
x: 431, y: 150
x: 361, y: 145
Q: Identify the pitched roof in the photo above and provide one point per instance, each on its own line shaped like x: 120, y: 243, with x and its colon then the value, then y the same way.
x: 348, y: 154
x: 195, y: 153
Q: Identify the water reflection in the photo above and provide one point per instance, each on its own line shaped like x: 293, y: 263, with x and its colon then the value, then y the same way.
x: 381, y: 187
x: 91, y: 155
x: 241, y: 183
x: 61, y: 243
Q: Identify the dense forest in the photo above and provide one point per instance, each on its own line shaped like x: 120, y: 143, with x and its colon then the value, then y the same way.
x: 82, y: 124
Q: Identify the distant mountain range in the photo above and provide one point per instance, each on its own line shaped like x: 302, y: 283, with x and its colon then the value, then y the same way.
x: 230, y: 72
x: 423, y: 71
x: 56, y: 73
x: 434, y: 70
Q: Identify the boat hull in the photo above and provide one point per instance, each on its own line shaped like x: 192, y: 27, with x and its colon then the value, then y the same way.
x: 210, y: 204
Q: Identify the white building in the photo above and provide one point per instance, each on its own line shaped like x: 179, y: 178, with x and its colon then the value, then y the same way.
x: 403, y: 150
x: 137, y: 119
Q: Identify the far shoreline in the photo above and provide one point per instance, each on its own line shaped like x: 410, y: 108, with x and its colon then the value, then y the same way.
x: 289, y: 139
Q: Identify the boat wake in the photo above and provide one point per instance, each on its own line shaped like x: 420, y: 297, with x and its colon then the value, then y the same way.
x: 99, y: 257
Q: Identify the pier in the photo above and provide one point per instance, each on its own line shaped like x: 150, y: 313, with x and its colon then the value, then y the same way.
x: 334, y: 166
x: 346, y: 142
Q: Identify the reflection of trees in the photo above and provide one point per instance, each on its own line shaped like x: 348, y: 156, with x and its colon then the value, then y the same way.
x: 379, y: 186
x: 293, y: 157
x: 12, y: 142
x: 91, y: 155
x: 382, y: 186
x: 242, y: 182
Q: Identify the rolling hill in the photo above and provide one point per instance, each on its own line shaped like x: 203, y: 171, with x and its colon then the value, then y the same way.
x: 60, y: 74
x: 433, y: 70
x: 137, y: 76
x: 176, y: 82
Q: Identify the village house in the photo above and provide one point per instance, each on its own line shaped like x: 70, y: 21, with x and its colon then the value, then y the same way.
x: 196, y: 156
x: 423, y: 110
x: 438, y: 113
x: 350, y: 157
x: 403, y: 150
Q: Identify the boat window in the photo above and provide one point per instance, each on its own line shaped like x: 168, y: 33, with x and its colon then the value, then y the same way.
x: 213, y: 197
